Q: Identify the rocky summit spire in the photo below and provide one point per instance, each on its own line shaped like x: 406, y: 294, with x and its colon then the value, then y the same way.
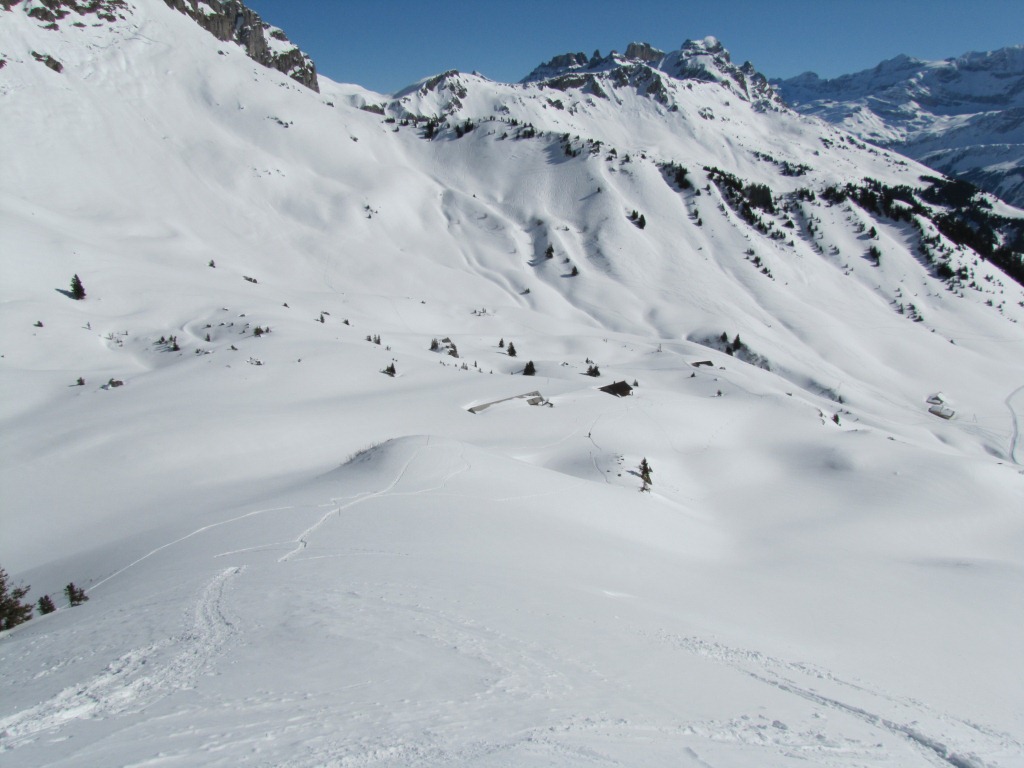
x: 267, y: 45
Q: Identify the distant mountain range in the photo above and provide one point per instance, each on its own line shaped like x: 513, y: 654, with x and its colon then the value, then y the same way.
x: 962, y: 116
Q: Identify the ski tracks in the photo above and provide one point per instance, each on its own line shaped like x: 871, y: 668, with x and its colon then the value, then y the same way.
x: 958, y: 741
x: 1016, y: 418
x: 136, y: 679
x: 302, y: 541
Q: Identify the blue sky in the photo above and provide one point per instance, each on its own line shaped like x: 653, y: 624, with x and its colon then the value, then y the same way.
x: 387, y: 44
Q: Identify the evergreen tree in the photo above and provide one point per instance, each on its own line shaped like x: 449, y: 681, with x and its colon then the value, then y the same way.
x: 511, y: 349
x: 501, y: 344
x: 75, y: 595
x: 77, y: 289
x: 574, y: 271
x: 46, y: 605
x: 529, y: 370
x: 645, y: 475
x: 550, y: 252
x: 641, y: 222
x: 12, y: 611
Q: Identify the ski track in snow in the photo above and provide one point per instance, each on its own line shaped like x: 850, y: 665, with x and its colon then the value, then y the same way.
x: 196, y: 532
x: 136, y: 679
x: 778, y: 674
x: 302, y: 541
x: 1016, y: 418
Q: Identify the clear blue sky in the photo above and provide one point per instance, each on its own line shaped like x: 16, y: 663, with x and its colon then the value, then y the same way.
x: 384, y: 45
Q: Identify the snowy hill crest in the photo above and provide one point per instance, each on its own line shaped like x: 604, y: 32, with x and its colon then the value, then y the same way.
x: 227, y: 20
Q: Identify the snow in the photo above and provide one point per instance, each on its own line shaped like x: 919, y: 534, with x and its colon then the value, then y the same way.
x: 309, y: 563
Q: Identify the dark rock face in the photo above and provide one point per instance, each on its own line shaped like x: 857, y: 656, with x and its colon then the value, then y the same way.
x: 49, y: 61
x: 230, y: 20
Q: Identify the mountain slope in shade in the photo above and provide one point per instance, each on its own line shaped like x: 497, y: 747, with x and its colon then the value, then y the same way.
x: 295, y: 559
x: 962, y: 116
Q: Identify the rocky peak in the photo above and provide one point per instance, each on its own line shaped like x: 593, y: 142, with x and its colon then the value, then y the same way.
x: 704, y: 60
x: 231, y: 20
x: 644, y: 52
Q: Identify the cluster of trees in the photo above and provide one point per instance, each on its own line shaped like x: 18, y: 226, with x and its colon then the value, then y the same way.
x: 677, y: 174
x: 745, y: 199
x: 967, y: 218
x: 13, y: 611
x: 638, y: 219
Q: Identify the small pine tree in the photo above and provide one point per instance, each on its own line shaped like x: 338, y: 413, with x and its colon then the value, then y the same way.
x: 501, y: 344
x: 12, y: 611
x: 641, y: 222
x: 574, y: 271
x: 645, y: 475
x: 77, y: 289
x: 529, y: 370
x: 593, y: 371
x: 390, y: 370
x: 46, y: 605
x: 434, y: 344
x: 550, y: 252
x: 511, y: 349
x: 75, y: 595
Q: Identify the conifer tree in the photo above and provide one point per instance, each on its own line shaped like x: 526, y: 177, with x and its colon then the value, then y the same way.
x: 46, y: 605
x: 12, y: 611
x: 75, y: 595
x: 645, y: 475
x: 530, y: 369
x: 77, y: 289
x: 511, y: 349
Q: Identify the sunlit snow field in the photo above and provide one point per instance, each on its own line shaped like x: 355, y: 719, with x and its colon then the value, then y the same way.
x: 293, y: 559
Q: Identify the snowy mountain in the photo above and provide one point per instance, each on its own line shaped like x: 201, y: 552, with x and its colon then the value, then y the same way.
x: 321, y: 516
x: 962, y: 116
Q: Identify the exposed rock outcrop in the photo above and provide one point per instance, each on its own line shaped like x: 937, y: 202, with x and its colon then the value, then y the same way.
x: 646, y: 67
x: 230, y: 20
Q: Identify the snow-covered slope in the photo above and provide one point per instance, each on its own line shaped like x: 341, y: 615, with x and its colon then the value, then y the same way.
x: 295, y: 559
x: 962, y: 116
